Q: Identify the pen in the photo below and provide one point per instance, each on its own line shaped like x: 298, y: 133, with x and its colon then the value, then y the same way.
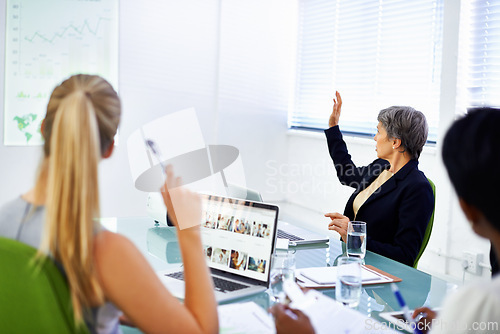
x: 156, y: 152
x: 404, y: 308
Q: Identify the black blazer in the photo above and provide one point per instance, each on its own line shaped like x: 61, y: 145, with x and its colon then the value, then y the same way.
x: 397, y: 213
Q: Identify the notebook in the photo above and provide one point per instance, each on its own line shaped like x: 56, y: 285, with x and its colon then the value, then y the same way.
x: 238, y: 238
x: 296, y: 235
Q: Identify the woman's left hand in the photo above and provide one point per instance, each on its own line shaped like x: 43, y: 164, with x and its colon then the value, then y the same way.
x: 338, y: 224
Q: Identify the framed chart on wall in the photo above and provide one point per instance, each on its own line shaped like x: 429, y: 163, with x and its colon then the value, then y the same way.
x: 46, y: 42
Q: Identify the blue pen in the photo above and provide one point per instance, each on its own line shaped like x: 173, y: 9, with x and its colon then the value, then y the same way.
x: 404, y: 308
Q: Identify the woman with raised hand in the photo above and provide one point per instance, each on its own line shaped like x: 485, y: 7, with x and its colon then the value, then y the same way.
x: 391, y: 194
x: 106, y: 273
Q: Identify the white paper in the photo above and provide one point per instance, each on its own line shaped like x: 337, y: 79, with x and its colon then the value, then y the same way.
x: 245, y: 318
x: 326, y: 315
x: 329, y: 316
x: 174, y: 134
x: 327, y: 276
x: 281, y: 243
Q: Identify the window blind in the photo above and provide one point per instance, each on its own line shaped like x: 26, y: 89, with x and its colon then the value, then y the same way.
x: 375, y: 53
x: 479, y: 55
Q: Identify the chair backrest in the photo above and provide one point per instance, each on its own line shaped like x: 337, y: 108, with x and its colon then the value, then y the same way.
x: 34, y: 297
x: 428, y: 230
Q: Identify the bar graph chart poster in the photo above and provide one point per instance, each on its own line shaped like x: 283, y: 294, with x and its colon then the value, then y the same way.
x: 46, y: 42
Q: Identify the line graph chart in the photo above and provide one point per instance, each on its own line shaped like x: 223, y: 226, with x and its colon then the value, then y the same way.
x: 71, y: 27
x: 47, y: 41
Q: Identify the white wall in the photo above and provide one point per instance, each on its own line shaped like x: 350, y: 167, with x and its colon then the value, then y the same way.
x: 257, y: 50
x: 167, y: 63
x: 233, y: 62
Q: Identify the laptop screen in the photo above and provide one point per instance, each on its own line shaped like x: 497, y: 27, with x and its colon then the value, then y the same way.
x: 238, y: 235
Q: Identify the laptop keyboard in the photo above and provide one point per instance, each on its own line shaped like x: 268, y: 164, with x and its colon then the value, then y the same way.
x: 283, y: 235
x: 220, y: 284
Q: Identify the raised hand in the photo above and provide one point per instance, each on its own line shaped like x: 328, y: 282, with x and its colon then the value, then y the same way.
x: 337, y: 105
x: 183, y: 206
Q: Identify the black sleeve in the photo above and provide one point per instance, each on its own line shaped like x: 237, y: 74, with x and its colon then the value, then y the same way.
x: 493, y: 261
x: 347, y: 172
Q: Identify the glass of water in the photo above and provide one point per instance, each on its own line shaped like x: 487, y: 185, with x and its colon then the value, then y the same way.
x: 283, y: 268
x: 348, y: 284
x: 356, y: 239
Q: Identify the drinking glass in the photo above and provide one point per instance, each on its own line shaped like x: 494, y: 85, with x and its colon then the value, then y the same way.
x: 283, y: 268
x: 348, y: 284
x: 356, y: 239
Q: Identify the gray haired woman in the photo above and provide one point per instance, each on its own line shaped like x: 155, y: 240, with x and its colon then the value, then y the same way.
x: 391, y: 195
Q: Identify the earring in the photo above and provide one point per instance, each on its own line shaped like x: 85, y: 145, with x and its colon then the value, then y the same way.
x: 393, y: 147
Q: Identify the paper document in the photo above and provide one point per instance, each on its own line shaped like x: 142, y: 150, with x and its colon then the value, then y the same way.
x: 327, y: 276
x: 245, y: 318
x: 326, y: 315
x: 329, y: 316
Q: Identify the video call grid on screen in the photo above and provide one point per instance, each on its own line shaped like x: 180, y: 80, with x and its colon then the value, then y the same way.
x: 238, y: 235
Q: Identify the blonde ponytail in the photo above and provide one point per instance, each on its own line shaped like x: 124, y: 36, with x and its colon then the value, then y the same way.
x: 80, y: 116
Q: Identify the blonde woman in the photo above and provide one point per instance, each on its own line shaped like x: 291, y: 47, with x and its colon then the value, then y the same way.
x: 107, y: 274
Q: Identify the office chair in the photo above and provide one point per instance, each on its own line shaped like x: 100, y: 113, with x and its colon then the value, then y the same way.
x: 428, y: 230
x: 34, y: 298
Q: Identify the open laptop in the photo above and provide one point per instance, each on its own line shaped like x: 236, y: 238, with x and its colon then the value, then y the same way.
x: 296, y: 235
x: 239, y: 239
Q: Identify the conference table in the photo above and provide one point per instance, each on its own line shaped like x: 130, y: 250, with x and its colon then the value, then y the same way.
x: 417, y: 287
